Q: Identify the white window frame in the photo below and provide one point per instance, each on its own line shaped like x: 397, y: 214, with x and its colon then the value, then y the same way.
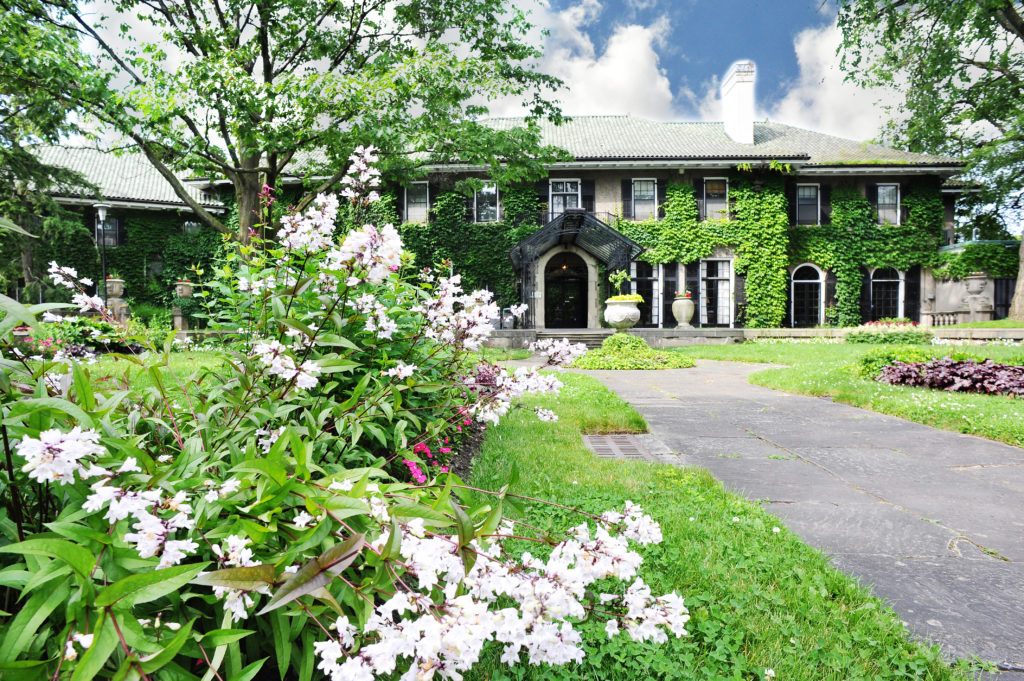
x: 406, y: 212
x: 704, y: 192
x: 902, y: 290
x: 796, y: 209
x: 632, y: 191
x: 551, y: 193
x: 899, y: 201
x: 701, y: 310
x: 792, y: 293
x: 497, y: 204
x: 656, y: 292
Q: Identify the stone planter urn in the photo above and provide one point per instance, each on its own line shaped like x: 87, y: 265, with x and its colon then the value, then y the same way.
x: 682, y: 310
x: 621, y: 314
x: 115, y: 288
x: 183, y: 289
x: 975, y: 284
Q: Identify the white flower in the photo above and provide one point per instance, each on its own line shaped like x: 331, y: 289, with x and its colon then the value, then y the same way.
x: 86, y: 302
x: 402, y: 370
x: 775, y: 530
x: 769, y: 674
x: 546, y: 414
x: 175, y: 551
x: 130, y: 465
x: 302, y: 519
x: 54, y: 456
x: 62, y: 276
x: 611, y: 628
x: 735, y: 519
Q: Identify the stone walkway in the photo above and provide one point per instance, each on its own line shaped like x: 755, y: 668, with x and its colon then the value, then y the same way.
x: 932, y: 521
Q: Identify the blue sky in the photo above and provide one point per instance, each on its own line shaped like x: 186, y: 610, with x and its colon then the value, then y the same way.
x: 662, y: 59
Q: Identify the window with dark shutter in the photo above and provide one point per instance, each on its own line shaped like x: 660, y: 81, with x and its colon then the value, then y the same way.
x: 564, y: 194
x: 807, y: 204
x: 662, y: 197
x: 826, y: 204
x: 110, y: 234
x: 587, y: 195
x: 627, y: 199
x: 645, y: 199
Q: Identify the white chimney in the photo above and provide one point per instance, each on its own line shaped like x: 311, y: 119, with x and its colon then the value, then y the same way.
x: 737, y: 94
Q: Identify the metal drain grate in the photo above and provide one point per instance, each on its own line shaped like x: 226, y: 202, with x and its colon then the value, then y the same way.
x: 615, y: 446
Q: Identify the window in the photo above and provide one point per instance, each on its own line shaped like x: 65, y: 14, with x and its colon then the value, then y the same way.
x: 889, y: 203
x: 716, y: 199
x: 886, y: 293
x: 716, y: 293
x: 645, y: 199
x: 808, y: 205
x: 485, y: 204
x: 806, y: 297
x: 417, y: 202
x: 564, y: 194
x: 110, y: 234
x: 191, y: 226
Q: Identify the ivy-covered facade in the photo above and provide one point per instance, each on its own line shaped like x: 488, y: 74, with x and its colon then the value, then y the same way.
x: 149, y: 238
x: 794, y: 229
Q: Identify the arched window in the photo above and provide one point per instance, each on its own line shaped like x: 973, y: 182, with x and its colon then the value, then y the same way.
x: 807, y: 296
x: 886, y: 293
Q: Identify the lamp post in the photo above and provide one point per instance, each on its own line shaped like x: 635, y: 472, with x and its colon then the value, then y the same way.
x: 101, y: 215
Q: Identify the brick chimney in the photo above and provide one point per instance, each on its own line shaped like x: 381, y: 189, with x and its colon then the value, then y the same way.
x: 737, y: 94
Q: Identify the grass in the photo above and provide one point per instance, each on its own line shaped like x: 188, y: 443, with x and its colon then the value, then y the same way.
x: 822, y: 370
x: 112, y: 371
x: 503, y: 354
x: 758, y: 599
x: 992, y: 324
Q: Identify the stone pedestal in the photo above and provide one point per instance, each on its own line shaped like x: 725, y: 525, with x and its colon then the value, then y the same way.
x: 115, y: 301
x: 183, y: 289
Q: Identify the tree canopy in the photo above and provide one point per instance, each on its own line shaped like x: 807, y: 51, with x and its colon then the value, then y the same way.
x: 248, y: 91
x: 960, y: 66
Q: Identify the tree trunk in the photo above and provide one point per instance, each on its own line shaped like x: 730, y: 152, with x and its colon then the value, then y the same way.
x: 1017, y: 305
x: 26, y: 258
x: 247, y: 188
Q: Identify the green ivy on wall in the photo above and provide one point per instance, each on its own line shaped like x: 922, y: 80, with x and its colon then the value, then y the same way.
x: 995, y: 260
x: 478, y: 251
x: 757, y: 233
x: 855, y: 239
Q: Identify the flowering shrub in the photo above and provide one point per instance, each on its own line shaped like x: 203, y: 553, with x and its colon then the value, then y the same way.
x: 957, y: 375
x: 286, y: 504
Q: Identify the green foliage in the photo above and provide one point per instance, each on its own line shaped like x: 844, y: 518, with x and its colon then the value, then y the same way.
x: 757, y: 232
x: 183, y: 253
x: 626, y: 351
x: 928, y: 46
x: 995, y: 260
x: 855, y: 239
x: 478, y: 251
x: 894, y: 335
x: 294, y: 90
x: 872, y: 363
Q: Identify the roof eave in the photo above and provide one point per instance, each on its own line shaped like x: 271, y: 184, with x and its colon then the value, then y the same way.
x: 135, y: 204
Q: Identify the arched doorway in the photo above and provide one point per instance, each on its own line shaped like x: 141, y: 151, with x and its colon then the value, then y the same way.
x: 565, y: 292
x: 807, y: 296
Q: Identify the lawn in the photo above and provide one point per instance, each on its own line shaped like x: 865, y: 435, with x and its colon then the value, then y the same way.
x: 823, y: 370
x: 759, y: 599
x: 993, y: 324
x: 112, y: 371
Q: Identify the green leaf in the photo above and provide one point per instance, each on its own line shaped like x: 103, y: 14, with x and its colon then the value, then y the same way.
x: 280, y: 629
x: 83, y: 388
x: 79, y: 533
x: 411, y: 510
x: 244, y: 578
x: 248, y: 672
x: 394, y: 544
x: 316, y: 573
x: 81, y: 418
x: 466, y: 534
x: 102, y: 646
x: 275, y: 471
x: 74, y: 555
x: 19, y: 665
x: 8, y: 225
x: 222, y: 637
x: 148, y: 586
x: 22, y: 630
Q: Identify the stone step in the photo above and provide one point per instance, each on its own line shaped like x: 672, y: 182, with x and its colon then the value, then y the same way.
x: 592, y: 338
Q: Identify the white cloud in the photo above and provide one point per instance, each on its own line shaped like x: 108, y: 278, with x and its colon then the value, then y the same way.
x: 625, y: 78
x: 820, y: 100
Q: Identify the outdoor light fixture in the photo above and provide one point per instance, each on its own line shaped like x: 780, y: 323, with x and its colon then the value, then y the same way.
x: 101, y: 215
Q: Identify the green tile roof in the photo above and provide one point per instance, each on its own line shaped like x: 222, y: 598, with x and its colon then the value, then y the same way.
x: 127, y: 176
x: 591, y: 138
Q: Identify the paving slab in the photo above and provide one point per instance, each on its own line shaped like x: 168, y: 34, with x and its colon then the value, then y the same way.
x: 931, y: 521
